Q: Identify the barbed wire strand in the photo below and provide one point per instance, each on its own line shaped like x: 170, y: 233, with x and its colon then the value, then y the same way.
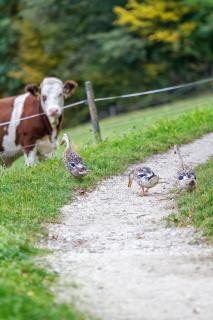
x: 190, y: 84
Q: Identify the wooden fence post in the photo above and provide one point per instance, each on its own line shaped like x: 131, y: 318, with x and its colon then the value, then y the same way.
x: 93, y: 111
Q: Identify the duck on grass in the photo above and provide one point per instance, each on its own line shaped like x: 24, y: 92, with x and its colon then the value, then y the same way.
x: 72, y: 160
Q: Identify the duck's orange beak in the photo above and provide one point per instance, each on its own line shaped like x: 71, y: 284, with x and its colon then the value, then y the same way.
x: 62, y: 141
x: 129, y: 183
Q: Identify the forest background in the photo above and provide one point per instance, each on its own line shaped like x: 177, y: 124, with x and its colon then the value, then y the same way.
x: 122, y: 46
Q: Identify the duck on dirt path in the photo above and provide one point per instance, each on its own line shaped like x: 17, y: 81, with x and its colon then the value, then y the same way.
x: 145, y: 178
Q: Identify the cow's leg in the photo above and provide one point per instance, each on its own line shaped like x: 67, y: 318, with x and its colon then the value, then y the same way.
x: 45, y: 148
x: 7, y: 160
x: 30, y: 157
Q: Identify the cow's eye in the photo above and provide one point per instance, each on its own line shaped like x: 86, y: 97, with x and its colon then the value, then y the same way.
x: 61, y: 94
x: 44, y: 98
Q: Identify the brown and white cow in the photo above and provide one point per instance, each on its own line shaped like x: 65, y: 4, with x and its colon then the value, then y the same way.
x: 36, y: 137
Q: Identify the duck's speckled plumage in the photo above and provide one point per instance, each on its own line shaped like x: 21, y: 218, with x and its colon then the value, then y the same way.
x: 187, y: 179
x: 144, y: 177
x: 186, y: 175
x: 72, y: 161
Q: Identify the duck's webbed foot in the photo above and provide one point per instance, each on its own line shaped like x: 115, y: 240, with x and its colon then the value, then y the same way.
x: 142, y: 193
x: 146, y: 191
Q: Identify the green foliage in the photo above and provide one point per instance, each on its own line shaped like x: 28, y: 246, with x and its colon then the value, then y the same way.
x: 62, y: 43
x: 30, y: 197
x: 121, y: 46
x: 159, y: 21
x: 67, y: 28
x: 172, y: 31
x: 8, y: 47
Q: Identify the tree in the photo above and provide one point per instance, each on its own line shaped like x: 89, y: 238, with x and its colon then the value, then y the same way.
x: 63, y: 41
x: 120, y: 45
x: 159, y: 21
x: 176, y: 33
x: 8, y: 47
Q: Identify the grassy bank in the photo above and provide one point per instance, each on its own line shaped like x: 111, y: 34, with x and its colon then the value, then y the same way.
x: 196, y: 208
x: 115, y: 127
x: 31, y: 197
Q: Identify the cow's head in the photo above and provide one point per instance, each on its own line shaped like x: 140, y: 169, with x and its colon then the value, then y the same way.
x: 52, y: 92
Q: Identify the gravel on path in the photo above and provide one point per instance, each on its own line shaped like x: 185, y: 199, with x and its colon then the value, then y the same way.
x: 116, y: 258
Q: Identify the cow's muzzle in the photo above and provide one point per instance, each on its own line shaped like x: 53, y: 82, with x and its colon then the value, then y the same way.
x: 54, y: 112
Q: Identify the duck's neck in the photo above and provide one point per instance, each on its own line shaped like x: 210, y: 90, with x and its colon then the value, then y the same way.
x: 68, y: 143
x: 180, y: 157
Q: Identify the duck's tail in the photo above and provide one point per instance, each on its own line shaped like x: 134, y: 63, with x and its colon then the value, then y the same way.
x: 177, y: 151
x: 131, y: 177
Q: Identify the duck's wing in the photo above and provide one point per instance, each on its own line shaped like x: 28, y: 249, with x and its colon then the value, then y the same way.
x: 186, y: 174
x: 191, y: 174
x: 145, y: 172
x: 78, y: 160
x: 72, y: 161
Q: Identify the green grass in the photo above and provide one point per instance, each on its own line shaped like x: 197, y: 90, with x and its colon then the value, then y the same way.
x: 196, y: 208
x: 30, y: 197
x: 114, y: 127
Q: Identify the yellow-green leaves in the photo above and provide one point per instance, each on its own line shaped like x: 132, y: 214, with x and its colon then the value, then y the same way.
x: 162, y: 21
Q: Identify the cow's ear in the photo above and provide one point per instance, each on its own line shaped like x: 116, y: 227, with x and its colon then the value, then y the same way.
x: 69, y: 88
x: 33, y: 89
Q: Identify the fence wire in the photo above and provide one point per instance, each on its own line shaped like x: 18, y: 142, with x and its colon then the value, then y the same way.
x: 125, y: 96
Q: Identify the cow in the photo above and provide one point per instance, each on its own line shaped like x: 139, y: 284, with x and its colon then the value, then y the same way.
x: 30, y: 122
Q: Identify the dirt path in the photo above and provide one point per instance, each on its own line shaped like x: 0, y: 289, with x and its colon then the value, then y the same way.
x: 127, y: 265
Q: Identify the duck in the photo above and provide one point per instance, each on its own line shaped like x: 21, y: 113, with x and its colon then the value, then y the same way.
x: 145, y: 178
x: 185, y: 175
x: 72, y: 161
